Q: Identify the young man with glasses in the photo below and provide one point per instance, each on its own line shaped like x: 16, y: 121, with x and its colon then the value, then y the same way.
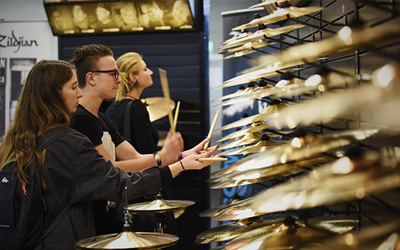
x: 98, y: 78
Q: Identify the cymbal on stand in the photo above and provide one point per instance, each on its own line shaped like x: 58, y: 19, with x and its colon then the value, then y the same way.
x: 128, y: 240
x: 158, y: 206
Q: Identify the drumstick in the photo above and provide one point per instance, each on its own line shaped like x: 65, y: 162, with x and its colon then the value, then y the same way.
x: 212, y: 159
x: 176, y: 113
x: 165, y: 89
x: 211, y: 130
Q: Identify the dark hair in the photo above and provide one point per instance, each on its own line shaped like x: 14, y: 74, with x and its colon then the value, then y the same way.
x: 85, y: 60
x: 40, y: 108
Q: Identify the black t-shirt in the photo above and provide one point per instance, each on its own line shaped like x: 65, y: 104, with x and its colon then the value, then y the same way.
x: 144, y: 137
x: 93, y: 127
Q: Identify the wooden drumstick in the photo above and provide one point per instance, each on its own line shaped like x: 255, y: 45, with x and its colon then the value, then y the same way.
x: 178, y: 105
x: 212, y: 159
x: 211, y: 130
x: 165, y: 89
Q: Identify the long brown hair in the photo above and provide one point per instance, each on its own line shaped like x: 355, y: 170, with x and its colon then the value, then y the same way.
x: 40, y: 108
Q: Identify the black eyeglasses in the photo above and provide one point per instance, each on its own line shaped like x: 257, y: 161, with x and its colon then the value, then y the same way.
x: 116, y: 72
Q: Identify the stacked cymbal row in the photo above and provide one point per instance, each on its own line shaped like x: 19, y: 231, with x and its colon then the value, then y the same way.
x: 327, y: 136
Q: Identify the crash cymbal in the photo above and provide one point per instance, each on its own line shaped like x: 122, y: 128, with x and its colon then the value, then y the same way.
x: 346, y: 179
x: 158, y: 206
x: 266, y: 114
x: 240, y: 54
x: 241, y: 178
x: 254, y: 127
x: 214, y: 211
x: 260, y: 74
x: 297, y: 149
x: 290, y: 234
x: 346, y: 39
x: 265, y: 3
x: 233, y: 229
x: 385, y: 236
x: 245, y: 140
x: 261, y: 146
x: 241, y: 35
x: 128, y: 240
x: 240, y: 92
x: 261, y: 34
x: 244, y: 95
x: 157, y: 107
x: 247, y: 46
x: 279, y: 15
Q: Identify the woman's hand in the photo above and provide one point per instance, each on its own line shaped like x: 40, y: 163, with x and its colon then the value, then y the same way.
x: 199, y: 148
x: 173, y: 146
x: 190, y: 163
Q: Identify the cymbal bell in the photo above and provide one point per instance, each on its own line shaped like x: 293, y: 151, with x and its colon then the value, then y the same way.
x: 267, y: 113
x: 297, y: 149
x: 128, y: 240
x: 241, y: 178
x: 279, y: 15
x: 158, y: 206
x: 291, y: 234
x: 346, y: 179
x: 157, y: 107
x: 214, y: 211
x: 261, y: 34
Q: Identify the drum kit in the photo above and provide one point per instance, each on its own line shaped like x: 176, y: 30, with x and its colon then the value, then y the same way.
x: 314, y: 168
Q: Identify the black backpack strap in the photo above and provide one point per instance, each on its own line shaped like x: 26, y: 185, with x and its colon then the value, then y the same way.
x: 43, y: 142
x: 127, y: 122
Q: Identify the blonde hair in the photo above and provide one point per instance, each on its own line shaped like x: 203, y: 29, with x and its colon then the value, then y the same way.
x: 127, y: 64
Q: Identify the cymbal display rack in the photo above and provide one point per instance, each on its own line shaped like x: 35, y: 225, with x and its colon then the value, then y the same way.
x: 362, y: 62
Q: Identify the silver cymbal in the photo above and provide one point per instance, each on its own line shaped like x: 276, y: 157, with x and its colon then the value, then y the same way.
x: 297, y: 149
x: 261, y: 34
x: 279, y: 15
x: 128, y: 240
x: 343, y: 180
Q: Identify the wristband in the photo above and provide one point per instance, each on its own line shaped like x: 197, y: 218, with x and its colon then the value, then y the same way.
x: 158, y: 159
x: 180, y: 156
x: 182, y: 165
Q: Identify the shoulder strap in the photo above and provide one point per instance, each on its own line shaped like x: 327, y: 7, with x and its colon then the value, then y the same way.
x: 127, y: 122
x: 43, y: 142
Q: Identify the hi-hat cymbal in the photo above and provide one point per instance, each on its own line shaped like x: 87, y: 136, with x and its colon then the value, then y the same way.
x: 346, y: 39
x: 159, y: 206
x: 266, y: 114
x: 157, y: 107
x: 128, y: 240
x: 233, y: 229
x: 214, y: 211
x: 279, y: 15
x: 245, y: 140
x: 261, y: 34
x: 346, y: 179
x: 242, y: 35
x: 247, y: 46
x: 297, y: 149
x: 241, y: 178
x: 258, y: 147
x: 291, y: 234
x: 385, y: 236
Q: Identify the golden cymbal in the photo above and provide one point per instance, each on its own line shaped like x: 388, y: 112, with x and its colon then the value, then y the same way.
x: 247, y: 46
x: 214, y: 211
x: 239, y: 54
x: 267, y: 113
x: 241, y: 178
x: 233, y: 229
x: 290, y: 234
x: 297, y: 149
x: 242, y: 35
x: 261, y: 34
x: 158, y: 206
x: 385, y: 236
x: 346, y: 39
x: 346, y: 179
x: 254, y: 127
x: 279, y: 15
x: 245, y: 140
x: 157, y: 107
x: 258, y: 147
x: 244, y: 95
x: 265, y: 3
x: 128, y: 240
x: 240, y: 92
